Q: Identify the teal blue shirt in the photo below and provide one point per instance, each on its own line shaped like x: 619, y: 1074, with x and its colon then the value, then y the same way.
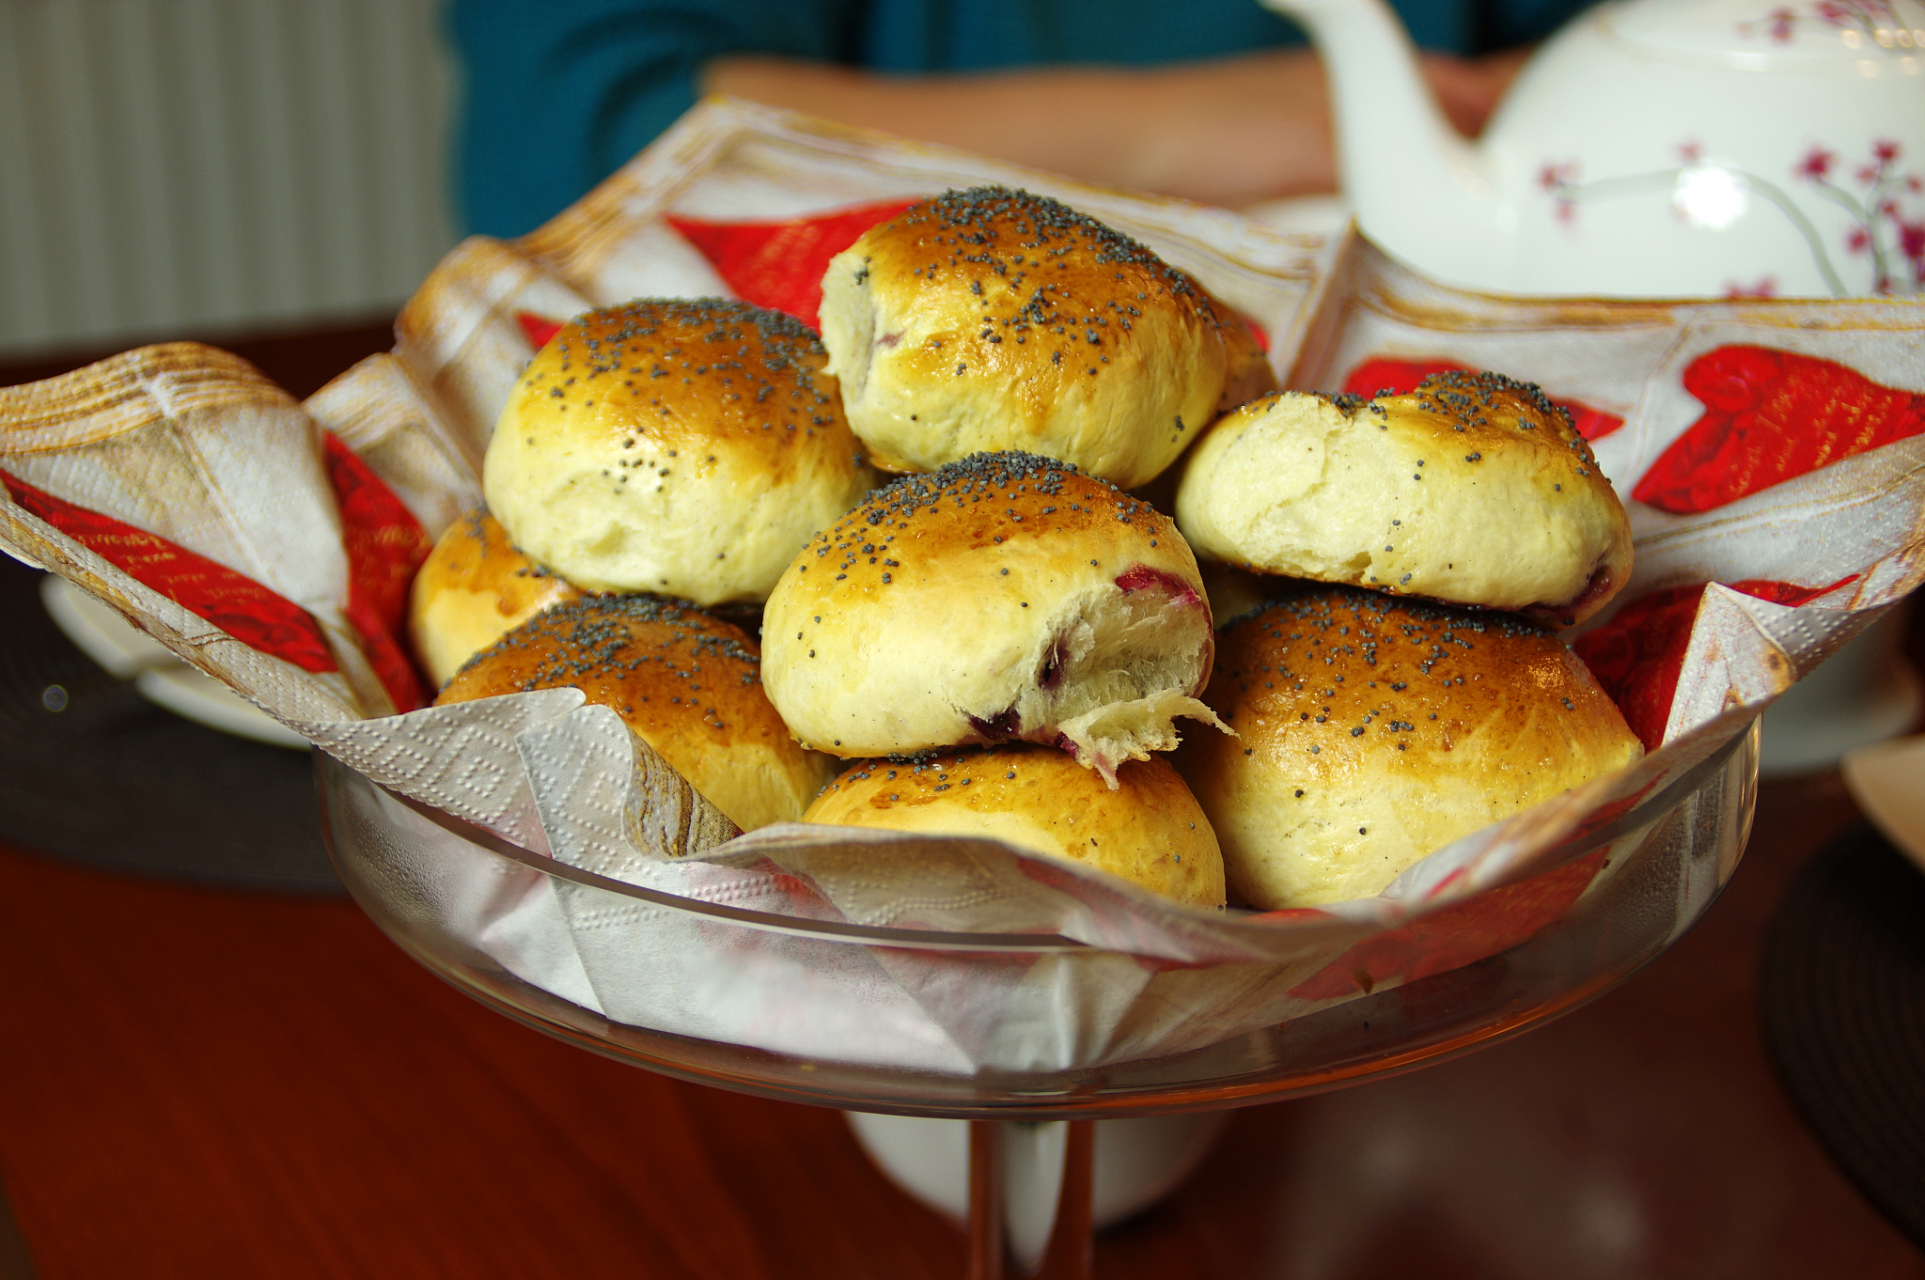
x: 559, y: 93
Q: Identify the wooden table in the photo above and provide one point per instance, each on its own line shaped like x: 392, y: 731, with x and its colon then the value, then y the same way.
x: 200, y: 1083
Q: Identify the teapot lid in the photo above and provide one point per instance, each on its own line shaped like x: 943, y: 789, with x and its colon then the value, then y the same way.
x: 1758, y: 33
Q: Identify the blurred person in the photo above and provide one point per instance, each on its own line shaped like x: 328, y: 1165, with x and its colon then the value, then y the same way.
x: 1218, y: 101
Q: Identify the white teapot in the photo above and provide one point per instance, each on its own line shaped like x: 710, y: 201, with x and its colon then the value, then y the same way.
x: 1651, y: 147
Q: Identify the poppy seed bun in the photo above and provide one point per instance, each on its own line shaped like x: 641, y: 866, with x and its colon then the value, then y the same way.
x: 1472, y: 489
x: 1248, y: 374
x: 1000, y: 598
x: 682, y: 447
x: 684, y: 682
x: 474, y: 587
x: 1373, y: 731
x: 995, y: 319
x: 1148, y: 830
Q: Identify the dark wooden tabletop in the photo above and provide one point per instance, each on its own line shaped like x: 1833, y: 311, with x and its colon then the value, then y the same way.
x: 206, y: 1083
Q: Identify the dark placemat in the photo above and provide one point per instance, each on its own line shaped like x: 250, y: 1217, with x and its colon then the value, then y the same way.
x: 1842, y: 1001
x: 113, y: 781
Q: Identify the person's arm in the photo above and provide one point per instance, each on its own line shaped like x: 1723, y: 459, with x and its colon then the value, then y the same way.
x: 556, y: 96
x: 1227, y: 132
x: 559, y: 95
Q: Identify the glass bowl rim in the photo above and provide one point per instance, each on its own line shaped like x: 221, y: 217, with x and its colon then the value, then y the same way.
x: 330, y: 772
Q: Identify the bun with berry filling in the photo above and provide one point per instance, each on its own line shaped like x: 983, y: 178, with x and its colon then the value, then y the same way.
x: 1005, y: 597
x: 1473, y: 489
x: 994, y: 319
x: 1372, y: 731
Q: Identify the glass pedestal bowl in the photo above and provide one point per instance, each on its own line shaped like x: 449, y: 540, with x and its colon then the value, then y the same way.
x: 407, y: 865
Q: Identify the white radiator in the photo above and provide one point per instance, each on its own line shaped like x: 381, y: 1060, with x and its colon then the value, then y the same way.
x: 170, y: 167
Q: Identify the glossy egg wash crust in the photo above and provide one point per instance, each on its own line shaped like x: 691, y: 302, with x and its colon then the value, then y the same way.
x: 994, y: 319
x: 686, y: 683
x: 686, y: 447
x: 1473, y: 489
x: 1373, y: 731
x: 1147, y: 828
x: 1003, y: 597
x: 474, y: 587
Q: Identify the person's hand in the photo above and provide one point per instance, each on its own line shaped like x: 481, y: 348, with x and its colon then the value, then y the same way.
x: 1227, y: 132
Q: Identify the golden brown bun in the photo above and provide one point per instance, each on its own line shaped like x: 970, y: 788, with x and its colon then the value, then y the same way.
x: 1003, y: 597
x: 681, y: 447
x: 1249, y: 374
x: 685, y: 682
x: 995, y: 319
x: 1472, y: 489
x: 1373, y: 731
x: 473, y: 588
x: 1149, y: 830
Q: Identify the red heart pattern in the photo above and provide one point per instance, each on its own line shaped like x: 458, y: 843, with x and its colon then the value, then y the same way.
x: 1383, y: 374
x: 385, y: 545
x: 1771, y: 416
x: 1638, y: 654
x: 251, y: 613
x: 780, y: 264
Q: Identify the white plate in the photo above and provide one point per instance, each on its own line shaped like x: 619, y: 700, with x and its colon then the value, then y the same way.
x: 100, y: 633
x: 128, y: 653
x: 1888, y: 781
x: 1865, y: 693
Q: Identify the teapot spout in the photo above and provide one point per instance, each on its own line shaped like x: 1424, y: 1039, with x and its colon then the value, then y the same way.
x: 1419, y: 190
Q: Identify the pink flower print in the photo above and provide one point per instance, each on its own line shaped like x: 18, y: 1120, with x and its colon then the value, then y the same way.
x: 1853, y: 12
x: 1816, y: 165
x: 1880, y: 205
x: 1559, y: 178
x: 1690, y: 152
x: 1863, y: 16
x: 1911, y: 240
x: 1767, y: 287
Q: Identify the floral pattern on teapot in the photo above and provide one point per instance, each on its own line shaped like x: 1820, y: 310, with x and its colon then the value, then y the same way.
x: 1874, y: 21
x: 1656, y: 148
x: 1885, y: 204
